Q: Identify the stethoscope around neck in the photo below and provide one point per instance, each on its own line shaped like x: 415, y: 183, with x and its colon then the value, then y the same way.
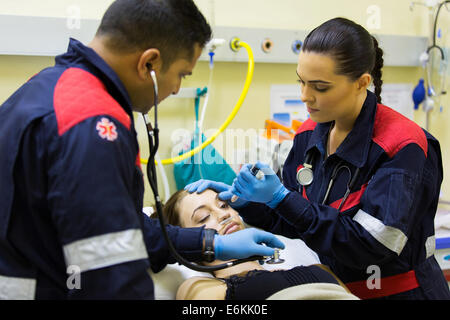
x: 305, y: 176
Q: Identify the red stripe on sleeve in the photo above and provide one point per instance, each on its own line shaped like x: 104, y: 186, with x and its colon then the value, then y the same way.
x: 80, y: 95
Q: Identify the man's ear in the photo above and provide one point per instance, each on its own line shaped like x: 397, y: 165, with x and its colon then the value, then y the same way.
x: 149, y: 60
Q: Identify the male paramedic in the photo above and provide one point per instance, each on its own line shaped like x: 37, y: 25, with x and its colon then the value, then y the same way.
x: 71, y: 186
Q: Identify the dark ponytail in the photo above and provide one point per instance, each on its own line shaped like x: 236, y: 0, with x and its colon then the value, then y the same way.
x: 352, y: 47
x: 377, y: 69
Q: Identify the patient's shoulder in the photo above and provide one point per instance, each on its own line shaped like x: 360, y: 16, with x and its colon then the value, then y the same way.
x: 202, y: 288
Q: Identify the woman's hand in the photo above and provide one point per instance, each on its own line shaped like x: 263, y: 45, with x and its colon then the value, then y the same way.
x: 224, y: 191
x: 268, y: 189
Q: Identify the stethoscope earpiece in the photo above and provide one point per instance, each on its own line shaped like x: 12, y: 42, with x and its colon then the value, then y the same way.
x: 155, y: 82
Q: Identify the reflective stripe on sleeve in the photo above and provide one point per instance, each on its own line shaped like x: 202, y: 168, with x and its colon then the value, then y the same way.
x: 106, y: 250
x: 12, y: 288
x: 430, y: 246
x: 392, y: 238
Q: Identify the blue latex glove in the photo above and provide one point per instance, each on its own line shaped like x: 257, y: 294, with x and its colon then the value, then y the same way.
x: 268, y: 189
x: 245, y: 243
x: 224, y: 191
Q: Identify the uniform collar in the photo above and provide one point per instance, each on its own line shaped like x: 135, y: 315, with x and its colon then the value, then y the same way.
x: 102, y: 70
x: 355, y: 148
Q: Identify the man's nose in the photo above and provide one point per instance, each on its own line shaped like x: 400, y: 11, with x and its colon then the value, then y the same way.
x: 177, y: 88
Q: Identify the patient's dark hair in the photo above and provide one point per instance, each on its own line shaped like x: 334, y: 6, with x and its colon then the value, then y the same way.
x: 353, y: 48
x: 172, y: 26
x: 171, y: 210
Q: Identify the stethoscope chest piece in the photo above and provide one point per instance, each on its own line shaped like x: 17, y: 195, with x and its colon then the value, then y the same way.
x: 305, y: 175
x: 275, y: 259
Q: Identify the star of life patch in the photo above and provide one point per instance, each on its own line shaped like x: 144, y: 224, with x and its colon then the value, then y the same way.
x: 107, y: 129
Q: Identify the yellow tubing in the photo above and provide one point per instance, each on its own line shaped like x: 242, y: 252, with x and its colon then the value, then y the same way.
x: 248, y: 81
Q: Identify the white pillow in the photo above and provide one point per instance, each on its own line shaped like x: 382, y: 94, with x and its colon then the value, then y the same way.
x: 167, y: 281
x: 296, y: 253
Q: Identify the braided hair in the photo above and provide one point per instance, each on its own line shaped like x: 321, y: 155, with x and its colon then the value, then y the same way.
x: 353, y: 48
x: 377, y: 69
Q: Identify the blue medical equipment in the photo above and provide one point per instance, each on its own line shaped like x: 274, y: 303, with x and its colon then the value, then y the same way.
x: 207, y: 164
x: 419, y: 94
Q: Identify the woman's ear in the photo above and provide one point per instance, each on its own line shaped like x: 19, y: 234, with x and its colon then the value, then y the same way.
x: 364, y: 82
x: 149, y: 60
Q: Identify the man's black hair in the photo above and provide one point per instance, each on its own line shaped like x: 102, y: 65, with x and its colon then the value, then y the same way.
x: 172, y: 26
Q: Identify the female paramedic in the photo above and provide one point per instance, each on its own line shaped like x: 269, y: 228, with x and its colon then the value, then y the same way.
x: 71, y: 186
x: 361, y: 183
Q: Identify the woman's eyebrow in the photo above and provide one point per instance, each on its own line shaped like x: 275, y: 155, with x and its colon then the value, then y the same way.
x: 313, y: 81
x: 198, y: 208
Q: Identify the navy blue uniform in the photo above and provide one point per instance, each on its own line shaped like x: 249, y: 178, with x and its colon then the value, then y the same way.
x: 71, y: 189
x: 385, y: 228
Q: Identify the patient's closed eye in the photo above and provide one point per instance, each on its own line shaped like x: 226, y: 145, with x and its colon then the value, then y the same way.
x: 203, y: 218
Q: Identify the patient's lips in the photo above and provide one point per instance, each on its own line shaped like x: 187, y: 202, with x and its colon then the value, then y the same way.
x: 231, y: 227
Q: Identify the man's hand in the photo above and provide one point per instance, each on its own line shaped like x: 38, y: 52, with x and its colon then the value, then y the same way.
x: 246, y: 243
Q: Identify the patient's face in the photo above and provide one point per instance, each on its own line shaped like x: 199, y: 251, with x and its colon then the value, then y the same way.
x: 206, y: 209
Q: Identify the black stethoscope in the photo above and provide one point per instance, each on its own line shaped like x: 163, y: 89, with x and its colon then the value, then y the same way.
x: 153, y: 140
x: 305, y: 176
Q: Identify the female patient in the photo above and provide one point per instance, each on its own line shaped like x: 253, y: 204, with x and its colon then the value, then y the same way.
x: 247, y: 280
